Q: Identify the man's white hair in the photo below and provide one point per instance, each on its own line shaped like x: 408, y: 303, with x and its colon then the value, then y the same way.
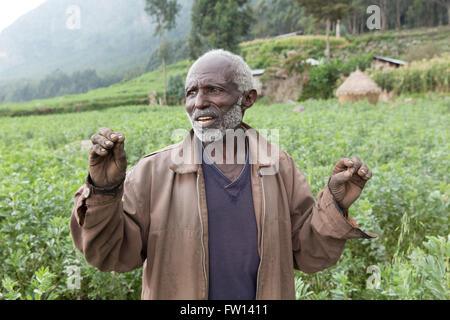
x: 242, y: 72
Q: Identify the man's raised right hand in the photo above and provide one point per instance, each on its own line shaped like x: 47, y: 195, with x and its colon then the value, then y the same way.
x: 107, y: 158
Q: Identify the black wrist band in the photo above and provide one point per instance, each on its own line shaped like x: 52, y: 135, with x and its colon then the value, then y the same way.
x: 105, y: 191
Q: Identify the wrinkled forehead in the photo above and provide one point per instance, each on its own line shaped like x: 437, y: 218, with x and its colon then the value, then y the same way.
x: 214, y: 69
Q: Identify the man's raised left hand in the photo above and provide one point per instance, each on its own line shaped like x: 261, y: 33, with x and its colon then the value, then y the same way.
x: 347, y: 181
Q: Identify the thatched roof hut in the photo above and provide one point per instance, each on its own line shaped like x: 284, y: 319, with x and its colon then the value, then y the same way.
x: 358, y: 86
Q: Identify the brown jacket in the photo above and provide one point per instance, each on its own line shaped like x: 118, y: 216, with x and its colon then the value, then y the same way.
x: 159, y: 220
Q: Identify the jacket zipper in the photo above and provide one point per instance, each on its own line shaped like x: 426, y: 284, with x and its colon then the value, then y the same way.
x: 203, y: 246
x: 262, y: 234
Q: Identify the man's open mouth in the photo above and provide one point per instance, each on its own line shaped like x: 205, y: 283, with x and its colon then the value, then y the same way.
x: 205, y: 120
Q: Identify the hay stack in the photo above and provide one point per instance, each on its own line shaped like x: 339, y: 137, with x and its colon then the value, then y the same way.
x: 358, y: 86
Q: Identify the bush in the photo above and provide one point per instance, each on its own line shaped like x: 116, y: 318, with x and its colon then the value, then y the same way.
x: 322, y: 79
x: 423, y: 274
x: 361, y: 61
x: 175, y: 89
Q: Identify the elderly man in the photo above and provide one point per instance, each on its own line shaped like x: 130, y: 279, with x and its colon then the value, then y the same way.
x: 210, y: 229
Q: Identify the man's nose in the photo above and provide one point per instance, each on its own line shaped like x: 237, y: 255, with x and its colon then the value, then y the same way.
x: 201, y: 100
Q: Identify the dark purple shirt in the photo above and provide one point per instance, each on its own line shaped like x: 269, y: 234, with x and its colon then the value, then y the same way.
x: 232, y: 235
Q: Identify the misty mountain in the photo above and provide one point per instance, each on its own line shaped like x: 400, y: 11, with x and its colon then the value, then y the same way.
x: 70, y: 35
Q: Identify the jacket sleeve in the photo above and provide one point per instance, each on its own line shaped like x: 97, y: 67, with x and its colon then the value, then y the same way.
x: 111, y: 231
x: 319, y: 229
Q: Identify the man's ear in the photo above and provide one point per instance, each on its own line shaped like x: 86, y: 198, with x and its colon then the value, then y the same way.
x: 249, y: 99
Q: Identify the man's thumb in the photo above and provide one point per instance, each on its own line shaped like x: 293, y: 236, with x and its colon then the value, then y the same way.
x: 342, y: 177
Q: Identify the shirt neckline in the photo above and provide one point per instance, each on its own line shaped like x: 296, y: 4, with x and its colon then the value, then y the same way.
x: 230, y: 182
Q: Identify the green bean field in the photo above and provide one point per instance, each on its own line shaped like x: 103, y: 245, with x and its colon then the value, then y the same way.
x: 406, y: 143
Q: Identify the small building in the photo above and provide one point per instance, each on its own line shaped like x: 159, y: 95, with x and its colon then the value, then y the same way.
x: 385, y: 62
x: 358, y: 86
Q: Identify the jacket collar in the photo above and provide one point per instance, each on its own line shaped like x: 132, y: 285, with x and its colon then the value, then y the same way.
x: 192, y: 145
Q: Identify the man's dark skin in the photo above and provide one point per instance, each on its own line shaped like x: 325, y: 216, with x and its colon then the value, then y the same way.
x: 211, y: 85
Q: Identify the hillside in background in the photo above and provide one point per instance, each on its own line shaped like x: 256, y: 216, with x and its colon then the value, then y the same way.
x: 264, y: 53
x: 44, y: 54
x: 128, y: 92
x: 114, y: 35
x: 409, y: 45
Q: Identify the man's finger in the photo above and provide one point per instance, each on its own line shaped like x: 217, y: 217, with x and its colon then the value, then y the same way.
x: 363, y: 170
x: 349, y: 162
x: 102, y: 141
x: 117, y: 136
x: 345, y: 163
x: 368, y: 175
x: 106, y: 132
x: 120, y: 155
x: 343, y: 176
x: 342, y: 165
x: 97, y: 150
x: 356, y: 163
x: 119, y: 148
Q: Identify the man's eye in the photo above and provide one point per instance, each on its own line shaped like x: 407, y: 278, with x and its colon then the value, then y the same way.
x: 191, y: 92
x: 214, y: 90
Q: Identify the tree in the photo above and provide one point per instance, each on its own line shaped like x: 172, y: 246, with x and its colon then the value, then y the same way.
x: 177, y: 50
x: 446, y: 5
x: 338, y: 28
x: 327, y: 10
x: 384, y: 14
x: 275, y: 17
x: 218, y: 24
x: 398, y: 4
x: 164, y: 13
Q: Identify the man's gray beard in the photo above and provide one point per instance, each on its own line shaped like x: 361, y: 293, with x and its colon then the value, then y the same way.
x: 231, y: 120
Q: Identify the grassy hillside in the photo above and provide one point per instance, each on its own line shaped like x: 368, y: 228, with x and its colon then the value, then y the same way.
x: 409, y: 45
x: 43, y: 161
x: 261, y: 53
x: 134, y: 91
